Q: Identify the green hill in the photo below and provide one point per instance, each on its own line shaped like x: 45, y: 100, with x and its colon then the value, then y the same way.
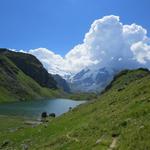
x: 22, y: 77
x: 118, y: 120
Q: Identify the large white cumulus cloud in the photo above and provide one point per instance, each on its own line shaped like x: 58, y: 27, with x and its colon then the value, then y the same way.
x: 52, y: 62
x: 141, y: 51
x: 107, y: 43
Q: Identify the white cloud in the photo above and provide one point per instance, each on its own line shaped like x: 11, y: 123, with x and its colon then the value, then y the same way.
x: 53, y: 62
x: 107, y: 43
x: 141, y: 51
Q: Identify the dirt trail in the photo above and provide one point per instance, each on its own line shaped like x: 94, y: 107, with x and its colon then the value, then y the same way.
x: 99, y: 140
x: 72, y: 138
x: 113, y: 144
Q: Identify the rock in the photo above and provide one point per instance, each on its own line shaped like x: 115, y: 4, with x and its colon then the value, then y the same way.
x: 44, y: 115
x: 141, y: 127
x: 52, y: 115
x: 120, y: 89
x: 25, y: 147
x: 70, y: 108
x: 98, y: 141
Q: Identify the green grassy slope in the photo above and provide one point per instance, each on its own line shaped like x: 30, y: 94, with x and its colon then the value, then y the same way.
x: 82, y: 96
x: 119, y: 119
x: 16, y: 85
x: 31, y: 66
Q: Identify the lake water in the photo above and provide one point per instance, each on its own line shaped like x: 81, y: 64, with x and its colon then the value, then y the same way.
x: 35, y: 108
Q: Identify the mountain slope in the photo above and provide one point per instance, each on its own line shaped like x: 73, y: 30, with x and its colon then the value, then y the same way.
x: 31, y: 66
x: 61, y: 83
x: 119, y: 119
x: 21, y: 77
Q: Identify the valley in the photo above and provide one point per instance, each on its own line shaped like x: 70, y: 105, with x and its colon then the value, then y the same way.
x: 117, y: 119
x: 74, y: 75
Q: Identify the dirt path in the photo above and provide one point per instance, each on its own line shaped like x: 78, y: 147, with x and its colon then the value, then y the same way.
x: 99, y: 140
x: 113, y: 144
x: 72, y: 138
x: 29, y: 122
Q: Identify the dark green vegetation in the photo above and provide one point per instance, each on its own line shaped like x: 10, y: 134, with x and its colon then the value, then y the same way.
x: 119, y: 119
x: 22, y: 77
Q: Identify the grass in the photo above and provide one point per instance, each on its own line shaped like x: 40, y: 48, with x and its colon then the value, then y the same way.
x: 16, y: 85
x: 82, y: 96
x: 116, y: 114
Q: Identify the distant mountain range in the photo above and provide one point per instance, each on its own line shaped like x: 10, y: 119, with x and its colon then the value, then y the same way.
x: 90, y: 79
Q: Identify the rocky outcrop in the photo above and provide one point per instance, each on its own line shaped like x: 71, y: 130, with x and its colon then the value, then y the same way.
x: 62, y: 83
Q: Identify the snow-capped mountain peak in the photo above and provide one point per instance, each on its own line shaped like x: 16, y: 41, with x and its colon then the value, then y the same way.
x: 91, y: 79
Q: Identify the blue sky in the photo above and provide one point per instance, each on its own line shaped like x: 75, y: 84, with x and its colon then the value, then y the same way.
x: 59, y: 25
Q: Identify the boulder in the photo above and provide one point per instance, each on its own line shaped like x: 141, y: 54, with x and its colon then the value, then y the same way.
x: 52, y: 115
x: 44, y: 115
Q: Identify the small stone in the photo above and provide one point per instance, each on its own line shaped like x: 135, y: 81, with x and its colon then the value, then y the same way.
x: 98, y: 141
x: 141, y: 127
x: 25, y: 147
